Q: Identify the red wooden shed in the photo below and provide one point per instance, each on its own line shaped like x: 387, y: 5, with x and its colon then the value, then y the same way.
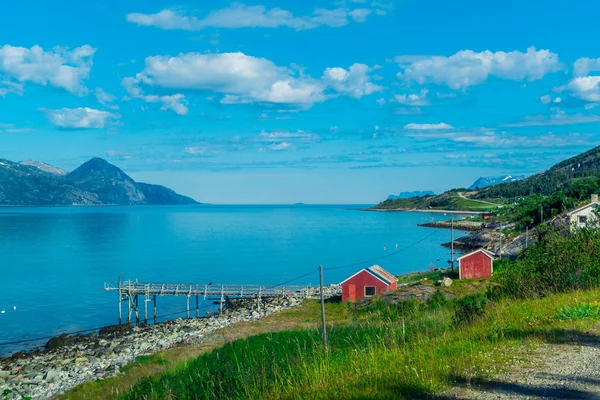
x: 368, y: 282
x: 476, y: 264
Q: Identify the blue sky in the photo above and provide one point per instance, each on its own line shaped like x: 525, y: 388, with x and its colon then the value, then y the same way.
x: 313, y: 101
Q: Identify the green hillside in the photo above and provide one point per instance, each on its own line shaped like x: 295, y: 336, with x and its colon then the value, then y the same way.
x: 543, y: 195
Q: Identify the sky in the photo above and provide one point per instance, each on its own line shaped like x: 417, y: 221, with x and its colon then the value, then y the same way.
x: 313, y: 101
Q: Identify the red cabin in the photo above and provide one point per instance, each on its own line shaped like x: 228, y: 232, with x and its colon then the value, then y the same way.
x: 368, y: 282
x: 476, y: 264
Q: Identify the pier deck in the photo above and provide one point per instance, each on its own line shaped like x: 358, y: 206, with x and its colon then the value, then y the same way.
x: 129, y: 291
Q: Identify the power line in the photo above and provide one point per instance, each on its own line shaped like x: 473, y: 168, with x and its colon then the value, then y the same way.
x: 381, y: 257
x: 292, y: 280
x: 269, y: 287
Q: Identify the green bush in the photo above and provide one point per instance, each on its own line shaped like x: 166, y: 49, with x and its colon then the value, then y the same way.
x: 438, y: 300
x: 578, y: 311
x: 470, y: 307
x: 560, y: 262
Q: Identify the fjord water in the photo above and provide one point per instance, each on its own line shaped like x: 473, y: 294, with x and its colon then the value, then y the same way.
x: 54, y: 261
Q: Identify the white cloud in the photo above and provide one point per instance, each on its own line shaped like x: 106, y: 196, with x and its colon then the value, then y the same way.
x: 240, y: 77
x: 79, y: 118
x: 429, y: 127
x: 546, y: 99
x: 585, y: 88
x: 360, y: 14
x: 354, y: 81
x: 114, y: 154
x: 415, y: 99
x: 584, y: 66
x: 467, y: 68
x: 7, y: 87
x: 243, y: 16
x: 175, y: 102
x: 281, y: 146
x: 558, y: 118
x: 58, y: 67
x: 196, y: 150
x: 103, y: 97
x: 299, y: 136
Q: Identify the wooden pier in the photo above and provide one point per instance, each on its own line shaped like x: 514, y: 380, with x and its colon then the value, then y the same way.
x: 130, y: 291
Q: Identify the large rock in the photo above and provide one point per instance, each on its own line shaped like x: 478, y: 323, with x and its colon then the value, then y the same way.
x: 116, y: 330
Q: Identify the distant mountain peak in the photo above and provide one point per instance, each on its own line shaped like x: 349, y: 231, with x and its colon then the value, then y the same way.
x: 44, y: 167
x: 486, y: 181
x: 407, y: 195
x: 96, y: 182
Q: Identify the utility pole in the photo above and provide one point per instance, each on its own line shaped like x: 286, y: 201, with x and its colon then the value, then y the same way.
x: 541, y: 214
x: 500, y: 246
x: 452, y: 243
x: 322, y: 307
x: 526, y: 237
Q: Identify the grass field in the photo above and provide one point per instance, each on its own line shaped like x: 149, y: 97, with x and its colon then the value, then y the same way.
x: 379, y: 351
x: 446, y: 201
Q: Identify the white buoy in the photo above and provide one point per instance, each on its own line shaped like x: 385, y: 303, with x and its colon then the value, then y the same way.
x: 396, y: 245
x: 15, y: 308
x: 2, y: 312
x: 383, y: 248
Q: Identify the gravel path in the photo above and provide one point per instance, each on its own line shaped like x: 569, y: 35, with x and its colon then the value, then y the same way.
x: 557, y: 371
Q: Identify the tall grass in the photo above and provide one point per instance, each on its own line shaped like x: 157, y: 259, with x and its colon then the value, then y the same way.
x: 405, y: 356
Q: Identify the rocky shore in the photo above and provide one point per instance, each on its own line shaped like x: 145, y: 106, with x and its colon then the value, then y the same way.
x: 68, y: 361
x: 461, y: 225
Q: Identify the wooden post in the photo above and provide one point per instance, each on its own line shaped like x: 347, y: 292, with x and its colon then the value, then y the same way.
x: 136, y: 309
x: 120, y: 299
x: 155, y: 309
x: 197, y: 308
x: 322, y: 308
x: 526, y: 236
x: 452, y: 244
x: 129, y: 308
x: 500, y: 246
x: 146, y: 300
x: 188, y: 306
x: 221, y: 302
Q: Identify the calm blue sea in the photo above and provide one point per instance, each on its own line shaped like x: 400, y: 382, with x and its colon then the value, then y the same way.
x: 54, y: 261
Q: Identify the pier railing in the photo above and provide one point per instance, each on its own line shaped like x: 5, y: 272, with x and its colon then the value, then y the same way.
x: 129, y: 291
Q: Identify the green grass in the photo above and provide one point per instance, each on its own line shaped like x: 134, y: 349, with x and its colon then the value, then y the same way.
x: 417, y: 276
x: 446, y: 201
x: 401, y: 352
x: 578, y: 311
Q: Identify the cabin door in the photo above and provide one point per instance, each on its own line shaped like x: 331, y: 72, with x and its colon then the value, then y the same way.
x: 352, y: 292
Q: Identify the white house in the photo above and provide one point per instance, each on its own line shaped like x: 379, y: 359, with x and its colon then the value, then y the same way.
x: 583, y: 215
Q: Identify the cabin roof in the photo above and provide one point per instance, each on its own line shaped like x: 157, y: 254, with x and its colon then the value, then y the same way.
x: 377, y: 272
x: 593, y: 203
x: 482, y: 250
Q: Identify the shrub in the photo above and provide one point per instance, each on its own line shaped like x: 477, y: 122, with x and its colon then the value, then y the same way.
x: 560, y: 262
x: 470, y: 307
x: 578, y: 311
x: 437, y: 300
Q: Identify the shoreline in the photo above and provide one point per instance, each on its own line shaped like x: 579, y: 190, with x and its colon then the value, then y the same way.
x: 436, y: 211
x: 47, y: 373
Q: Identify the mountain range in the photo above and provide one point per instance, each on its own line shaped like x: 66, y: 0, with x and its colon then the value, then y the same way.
x: 573, y: 178
x: 486, y: 181
x: 96, y: 182
x: 406, y: 195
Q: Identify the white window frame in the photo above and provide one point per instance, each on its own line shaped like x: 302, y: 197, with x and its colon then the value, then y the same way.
x: 374, y: 290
